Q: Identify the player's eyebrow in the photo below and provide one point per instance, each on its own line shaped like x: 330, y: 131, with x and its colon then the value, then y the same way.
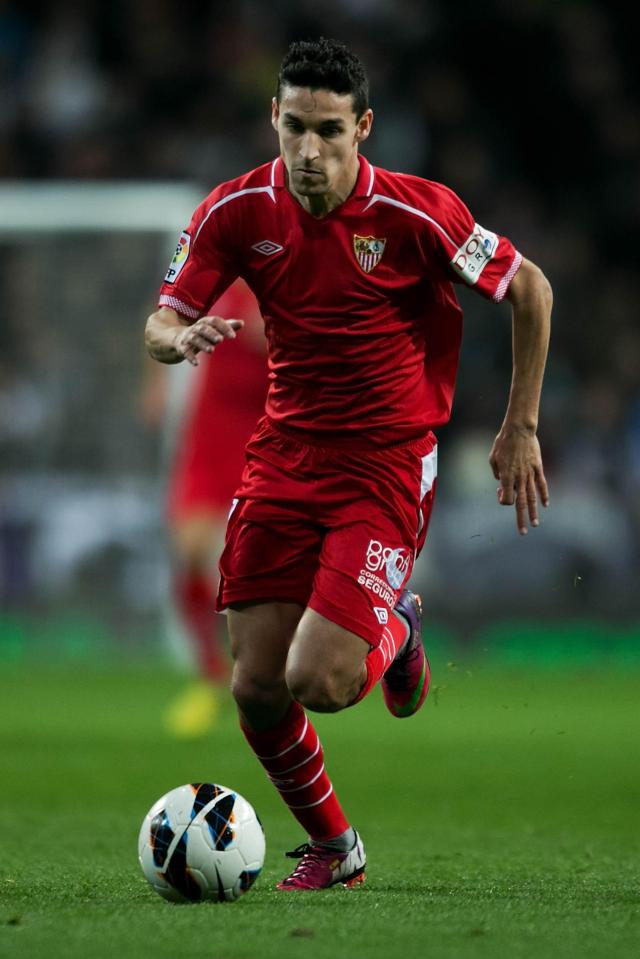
x: 328, y: 122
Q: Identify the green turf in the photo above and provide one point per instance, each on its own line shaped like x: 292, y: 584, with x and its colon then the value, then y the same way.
x: 502, y: 821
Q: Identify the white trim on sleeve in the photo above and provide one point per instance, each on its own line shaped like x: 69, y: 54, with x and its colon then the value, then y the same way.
x: 503, y: 285
x: 179, y: 306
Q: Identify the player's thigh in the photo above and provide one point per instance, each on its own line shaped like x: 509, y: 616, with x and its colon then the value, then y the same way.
x: 324, y: 664
x: 260, y: 634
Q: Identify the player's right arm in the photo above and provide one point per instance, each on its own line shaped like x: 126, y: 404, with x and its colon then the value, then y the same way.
x: 171, y: 338
x: 203, y: 266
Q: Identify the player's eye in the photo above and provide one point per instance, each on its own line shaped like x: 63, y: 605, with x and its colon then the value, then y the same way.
x: 328, y: 132
x: 294, y: 125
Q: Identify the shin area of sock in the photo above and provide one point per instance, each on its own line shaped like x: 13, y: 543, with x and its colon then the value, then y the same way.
x: 293, y: 758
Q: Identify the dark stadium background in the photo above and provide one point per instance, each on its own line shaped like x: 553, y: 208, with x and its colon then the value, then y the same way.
x: 503, y: 819
x: 527, y: 110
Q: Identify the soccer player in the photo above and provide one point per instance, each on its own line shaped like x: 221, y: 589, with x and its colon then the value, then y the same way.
x: 205, y: 471
x: 353, y: 268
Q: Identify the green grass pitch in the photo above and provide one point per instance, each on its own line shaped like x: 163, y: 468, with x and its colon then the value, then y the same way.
x: 502, y: 821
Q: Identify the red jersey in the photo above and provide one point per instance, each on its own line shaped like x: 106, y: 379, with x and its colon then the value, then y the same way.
x: 361, y: 318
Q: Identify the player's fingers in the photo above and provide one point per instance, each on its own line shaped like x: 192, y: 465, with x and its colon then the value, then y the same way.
x: 506, y: 489
x: 189, y: 354
x: 541, y: 484
x: 187, y: 346
x: 204, y: 342
x: 226, y: 328
x: 206, y: 331
x: 532, y: 501
x: 493, y: 463
x: 521, y: 507
x: 181, y: 344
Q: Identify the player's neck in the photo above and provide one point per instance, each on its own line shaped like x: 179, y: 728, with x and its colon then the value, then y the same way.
x: 321, y: 204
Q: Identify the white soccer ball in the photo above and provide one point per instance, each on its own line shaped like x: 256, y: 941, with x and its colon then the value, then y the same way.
x: 201, y: 842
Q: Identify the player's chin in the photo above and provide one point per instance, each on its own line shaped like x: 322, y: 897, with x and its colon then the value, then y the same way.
x: 307, y: 187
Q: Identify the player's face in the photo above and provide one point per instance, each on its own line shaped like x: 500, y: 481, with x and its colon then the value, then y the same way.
x: 319, y: 135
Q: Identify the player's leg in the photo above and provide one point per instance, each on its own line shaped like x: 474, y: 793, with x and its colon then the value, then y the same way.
x: 326, y: 670
x: 330, y: 667
x: 260, y: 635
x: 366, y: 560
x: 362, y: 628
x: 285, y: 741
x: 196, y: 540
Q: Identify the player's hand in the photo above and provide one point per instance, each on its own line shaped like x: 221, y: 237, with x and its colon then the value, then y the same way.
x: 204, y: 335
x: 516, y: 461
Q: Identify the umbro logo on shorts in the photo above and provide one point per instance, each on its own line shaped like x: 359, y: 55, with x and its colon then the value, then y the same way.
x: 267, y: 247
x: 382, y: 614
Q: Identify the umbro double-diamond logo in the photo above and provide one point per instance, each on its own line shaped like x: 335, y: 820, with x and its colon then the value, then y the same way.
x: 267, y: 247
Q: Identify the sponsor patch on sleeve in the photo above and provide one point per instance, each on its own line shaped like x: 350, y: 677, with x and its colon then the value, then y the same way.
x: 180, y: 257
x: 471, y: 258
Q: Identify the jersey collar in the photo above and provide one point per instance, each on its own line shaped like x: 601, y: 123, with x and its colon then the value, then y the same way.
x: 363, y: 187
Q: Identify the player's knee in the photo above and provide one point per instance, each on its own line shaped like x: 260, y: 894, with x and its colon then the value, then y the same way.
x: 254, y: 694
x: 320, y: 691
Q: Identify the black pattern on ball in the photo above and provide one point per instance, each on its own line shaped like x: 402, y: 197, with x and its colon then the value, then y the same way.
x: 160, y: 838
x: 247, y: 878
x: 205, y: 792
x: 178, y: 874
x: 218, y: 819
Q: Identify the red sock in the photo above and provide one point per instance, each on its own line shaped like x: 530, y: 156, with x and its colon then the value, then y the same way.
x: 292, y: 756
x: 379, y: 658
x: 195, y: 600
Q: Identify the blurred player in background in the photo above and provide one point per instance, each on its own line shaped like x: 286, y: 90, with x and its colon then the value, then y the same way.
x: 353, y: 267
x: 225, y: 400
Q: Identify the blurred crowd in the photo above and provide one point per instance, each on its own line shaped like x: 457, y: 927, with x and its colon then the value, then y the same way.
x: 528, y: 110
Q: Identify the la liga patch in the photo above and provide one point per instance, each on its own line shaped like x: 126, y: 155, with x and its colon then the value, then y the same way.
x: 180, y: 257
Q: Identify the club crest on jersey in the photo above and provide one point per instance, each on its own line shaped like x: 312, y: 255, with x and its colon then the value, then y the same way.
x: 179, y: 258
x: 368, y: 251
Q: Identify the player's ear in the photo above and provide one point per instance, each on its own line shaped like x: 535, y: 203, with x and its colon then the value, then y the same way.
x: 363, y: 126
x: 275, y: 113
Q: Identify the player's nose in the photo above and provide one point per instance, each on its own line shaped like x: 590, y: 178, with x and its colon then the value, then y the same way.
x: 309, y: 147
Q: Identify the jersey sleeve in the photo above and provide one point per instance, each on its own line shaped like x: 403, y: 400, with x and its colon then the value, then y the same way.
x: 474, y: 255
x: 204, y: 264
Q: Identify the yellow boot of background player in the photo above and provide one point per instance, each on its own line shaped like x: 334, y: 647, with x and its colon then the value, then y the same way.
x: 194, y: 712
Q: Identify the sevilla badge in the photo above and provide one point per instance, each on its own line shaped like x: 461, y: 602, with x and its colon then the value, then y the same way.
x: 368, y: 251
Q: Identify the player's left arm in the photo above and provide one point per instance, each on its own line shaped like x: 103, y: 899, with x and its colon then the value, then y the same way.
x: 515, y: 457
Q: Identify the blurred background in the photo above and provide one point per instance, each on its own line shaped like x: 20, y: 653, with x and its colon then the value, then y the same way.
x: 117, y: 118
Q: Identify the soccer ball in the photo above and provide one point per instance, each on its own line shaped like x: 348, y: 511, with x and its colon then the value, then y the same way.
x: 201, y: 842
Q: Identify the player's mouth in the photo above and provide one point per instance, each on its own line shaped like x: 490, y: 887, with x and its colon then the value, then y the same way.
x: 307, y: 172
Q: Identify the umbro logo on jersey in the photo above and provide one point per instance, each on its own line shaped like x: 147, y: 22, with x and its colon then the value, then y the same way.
x: 267, y: 247
x: 368, y: 251
x: 382, y: 614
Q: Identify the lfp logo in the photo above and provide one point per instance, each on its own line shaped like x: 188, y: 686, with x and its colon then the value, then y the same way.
x: 179, y: 258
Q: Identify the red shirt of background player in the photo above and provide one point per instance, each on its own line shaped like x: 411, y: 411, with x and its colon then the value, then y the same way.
x: 362, y: 322
x: 226, y: 399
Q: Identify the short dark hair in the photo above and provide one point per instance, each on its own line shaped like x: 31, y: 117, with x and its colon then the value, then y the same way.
x: 324, y: 64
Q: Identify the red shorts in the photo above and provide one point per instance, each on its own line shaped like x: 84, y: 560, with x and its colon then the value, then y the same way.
x: 333, y: 529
